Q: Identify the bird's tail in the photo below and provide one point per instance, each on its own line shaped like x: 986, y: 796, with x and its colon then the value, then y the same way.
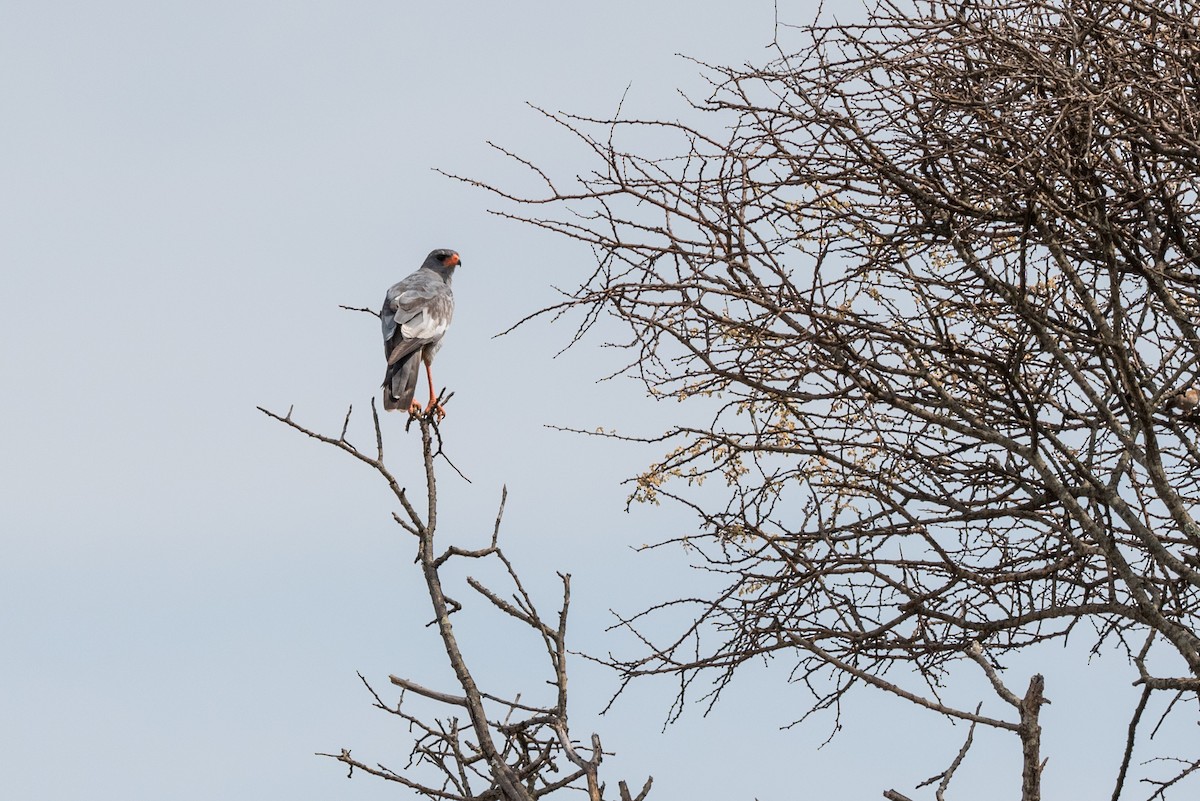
x: 400, y: 382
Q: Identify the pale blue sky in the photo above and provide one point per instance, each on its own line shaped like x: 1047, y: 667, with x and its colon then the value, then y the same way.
x: 187, y: 192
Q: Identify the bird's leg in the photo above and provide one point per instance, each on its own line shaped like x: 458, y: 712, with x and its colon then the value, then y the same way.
x: 433, y: 404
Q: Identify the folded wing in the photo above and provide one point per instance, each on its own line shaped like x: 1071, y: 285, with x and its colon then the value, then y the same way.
x: 416, y: 313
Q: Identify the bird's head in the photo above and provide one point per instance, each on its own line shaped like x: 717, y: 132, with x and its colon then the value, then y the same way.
x: 443, y: 258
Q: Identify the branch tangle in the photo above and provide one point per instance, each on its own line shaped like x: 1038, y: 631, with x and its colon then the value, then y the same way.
x: 932, y: 294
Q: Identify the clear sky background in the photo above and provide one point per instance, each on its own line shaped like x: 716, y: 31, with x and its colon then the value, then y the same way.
x: 187, y: 192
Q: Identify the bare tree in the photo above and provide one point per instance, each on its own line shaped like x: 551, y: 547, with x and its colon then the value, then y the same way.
x: 932, y: 280
x: 485, y: 746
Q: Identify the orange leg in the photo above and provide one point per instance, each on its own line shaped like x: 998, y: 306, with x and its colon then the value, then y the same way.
x: 433, y: 404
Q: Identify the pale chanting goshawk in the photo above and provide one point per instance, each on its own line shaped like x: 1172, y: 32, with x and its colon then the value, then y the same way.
x: 415, y: 316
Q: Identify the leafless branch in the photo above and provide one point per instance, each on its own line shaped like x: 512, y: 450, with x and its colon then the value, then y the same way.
x: 924, y: 291
x: 507, y: 749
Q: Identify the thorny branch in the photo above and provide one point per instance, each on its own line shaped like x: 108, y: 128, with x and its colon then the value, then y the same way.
x: 505, y: 749
x: 929, y: 284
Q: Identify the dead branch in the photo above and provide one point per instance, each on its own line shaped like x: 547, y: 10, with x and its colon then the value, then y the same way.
x: 507, y: 749
x: 923, y: 291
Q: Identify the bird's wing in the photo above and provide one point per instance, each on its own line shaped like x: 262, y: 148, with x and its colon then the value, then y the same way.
x: 416, y: 312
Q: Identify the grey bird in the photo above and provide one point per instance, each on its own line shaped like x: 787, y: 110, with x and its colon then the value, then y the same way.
x: 416, y: 313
